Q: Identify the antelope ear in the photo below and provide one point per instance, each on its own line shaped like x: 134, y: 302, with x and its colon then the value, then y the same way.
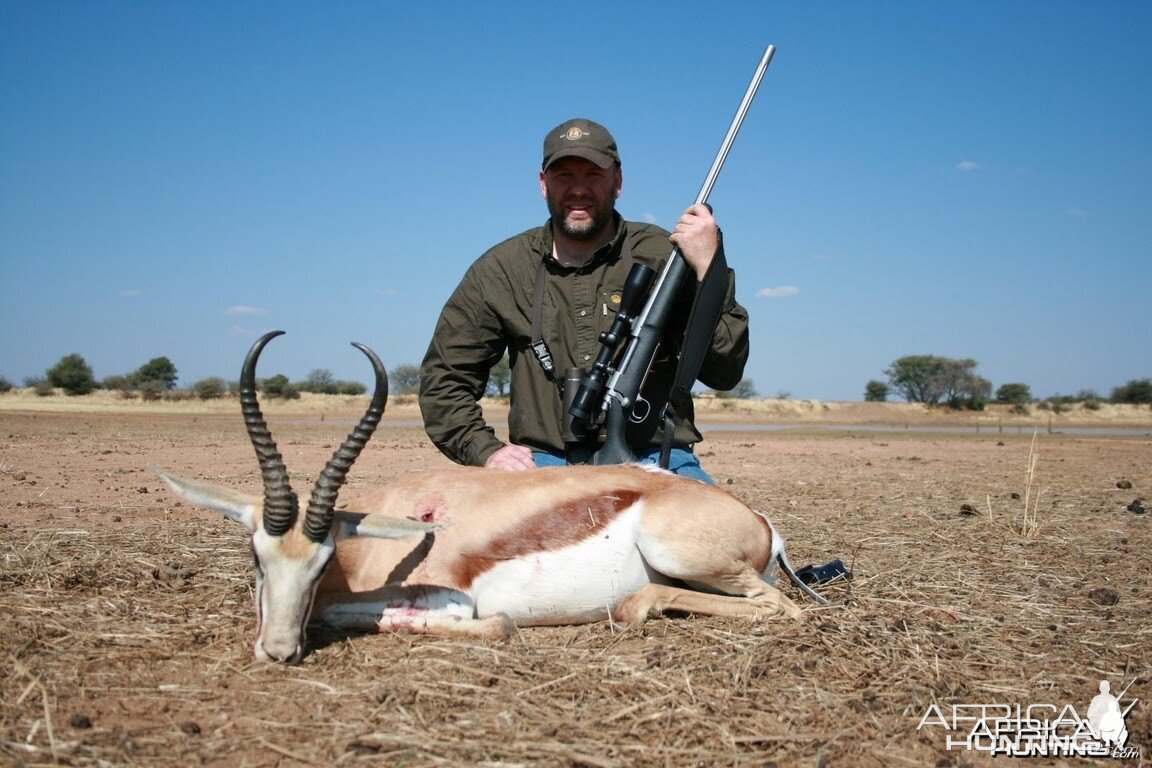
x: 236, y: 506
x: 379, y: 526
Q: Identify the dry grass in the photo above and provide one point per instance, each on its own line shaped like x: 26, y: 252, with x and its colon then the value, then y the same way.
x: 1030, y: 522
x: 128, y: 616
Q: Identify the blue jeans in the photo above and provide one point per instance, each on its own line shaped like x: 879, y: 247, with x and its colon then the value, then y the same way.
x: 681, y: 461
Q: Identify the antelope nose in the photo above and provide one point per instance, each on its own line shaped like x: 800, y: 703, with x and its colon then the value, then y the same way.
x: 285, y: 653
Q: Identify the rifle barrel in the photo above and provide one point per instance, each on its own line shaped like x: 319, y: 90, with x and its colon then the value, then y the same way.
x: 734, y: 128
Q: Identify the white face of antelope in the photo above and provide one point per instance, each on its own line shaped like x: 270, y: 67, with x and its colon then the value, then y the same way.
x: 291, y: 551
x: 288, y: 567
x: 288, y: 572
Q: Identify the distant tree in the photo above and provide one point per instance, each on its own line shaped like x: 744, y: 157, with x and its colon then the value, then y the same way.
x: 72, y: 374
x: 745, y: 390
x: 499, y: 378
x: 319, y: 381
x: 916, y: 378
x: 974, y: 395
x: 350, y: 388
x: 158, y: 369
x: 5, y: 385
x: 783, y: 395
x: 1136, y: 392
x: 1014, y: 394
x: 876, y: 392
x: 404, y: 379
x: 931, y: 379
x: 210, y: 388
x: 961, y: 386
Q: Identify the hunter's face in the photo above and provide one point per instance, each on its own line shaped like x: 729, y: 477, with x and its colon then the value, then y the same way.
x: 581, y: 196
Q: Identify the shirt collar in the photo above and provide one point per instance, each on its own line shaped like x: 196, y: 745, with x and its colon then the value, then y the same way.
x: 610, y: 251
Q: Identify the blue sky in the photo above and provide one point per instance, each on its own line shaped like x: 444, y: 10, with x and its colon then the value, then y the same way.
x: 962, y: 179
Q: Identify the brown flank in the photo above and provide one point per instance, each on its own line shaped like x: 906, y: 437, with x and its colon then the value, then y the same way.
x: 545, y: 530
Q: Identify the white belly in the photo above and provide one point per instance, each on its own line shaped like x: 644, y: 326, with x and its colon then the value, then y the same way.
x: 581, y: 582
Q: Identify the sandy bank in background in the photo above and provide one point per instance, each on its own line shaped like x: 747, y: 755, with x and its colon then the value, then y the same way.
x: 709, y: 411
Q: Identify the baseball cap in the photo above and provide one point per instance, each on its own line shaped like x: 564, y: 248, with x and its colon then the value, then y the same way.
x: 580, y: 138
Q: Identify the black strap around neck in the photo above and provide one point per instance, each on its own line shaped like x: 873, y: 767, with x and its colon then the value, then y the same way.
x: 538, y: 345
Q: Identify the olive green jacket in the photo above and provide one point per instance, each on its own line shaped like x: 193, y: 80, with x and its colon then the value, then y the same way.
x: 491, y: 310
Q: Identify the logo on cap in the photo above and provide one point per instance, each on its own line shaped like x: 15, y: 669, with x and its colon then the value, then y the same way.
x: 574, y: 133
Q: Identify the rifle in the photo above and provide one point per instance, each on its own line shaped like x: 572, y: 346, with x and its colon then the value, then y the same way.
x: 608, y: 396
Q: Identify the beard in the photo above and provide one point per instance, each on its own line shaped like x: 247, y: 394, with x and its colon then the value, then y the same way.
x: 599, y: 217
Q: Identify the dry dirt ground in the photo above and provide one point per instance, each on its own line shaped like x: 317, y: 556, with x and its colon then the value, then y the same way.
x: 128, y: 615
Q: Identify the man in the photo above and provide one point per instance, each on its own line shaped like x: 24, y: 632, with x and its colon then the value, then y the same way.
x: 576, y: 264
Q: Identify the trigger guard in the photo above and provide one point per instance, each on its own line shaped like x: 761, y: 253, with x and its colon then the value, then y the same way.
x: 647, y: 410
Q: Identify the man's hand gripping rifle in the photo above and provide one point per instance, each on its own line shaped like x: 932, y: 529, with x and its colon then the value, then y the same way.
x: 608, y: 396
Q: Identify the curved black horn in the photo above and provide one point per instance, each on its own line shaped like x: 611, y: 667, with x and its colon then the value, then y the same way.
x: 322, y: 504
x: 280, y: 503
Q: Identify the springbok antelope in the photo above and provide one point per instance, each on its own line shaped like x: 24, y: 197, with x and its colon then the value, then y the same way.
x: 476, y: 552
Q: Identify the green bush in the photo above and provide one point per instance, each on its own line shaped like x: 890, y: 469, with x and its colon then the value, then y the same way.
x: 876, y: 392
x: 1135, y: 392
x: 5, y: 385
x: 40, y: 385
x: 73, y: 375
x: 279, y: 386
x: 272, y: 386
x: 1014, y: 394
x: 210, y: 388
x: 350, y: 388
x: 158, y: 369
x: 151, y: 390
x: 117, y: 383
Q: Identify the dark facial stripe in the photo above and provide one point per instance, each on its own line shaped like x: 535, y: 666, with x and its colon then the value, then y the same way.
x: 544, y: 531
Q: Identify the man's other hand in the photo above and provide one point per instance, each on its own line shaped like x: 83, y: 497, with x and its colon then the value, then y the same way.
x: 512, y: 458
